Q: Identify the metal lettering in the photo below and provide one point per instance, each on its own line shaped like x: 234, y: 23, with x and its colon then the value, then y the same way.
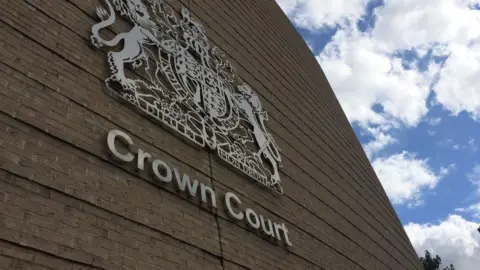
x: 184, y: 182
x: 167, y: 176
x: 203, y: 191
x: 254, y: 224
x: 228, y: 201
x: 268, y: 231
x: 141, y: 157
x: 283, y: 228
x: 285, y: 231
x: 121, y: 136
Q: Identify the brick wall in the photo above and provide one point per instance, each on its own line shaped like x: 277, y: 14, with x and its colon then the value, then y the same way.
x: 65, y: 204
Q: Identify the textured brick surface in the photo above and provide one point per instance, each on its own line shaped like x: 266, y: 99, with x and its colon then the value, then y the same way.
x: 65, y: 204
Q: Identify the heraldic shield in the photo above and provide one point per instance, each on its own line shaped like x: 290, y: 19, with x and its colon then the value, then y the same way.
x: 185, y: 84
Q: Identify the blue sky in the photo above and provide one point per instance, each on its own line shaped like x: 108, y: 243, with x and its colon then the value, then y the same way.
x: 407, y: 73
x: 453, y: 190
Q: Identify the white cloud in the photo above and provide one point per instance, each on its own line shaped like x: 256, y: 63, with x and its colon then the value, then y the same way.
x: 361, y: 65
x: 444, y: 171
x: 434, y: 121
x: 472, y: 145
x: 474, y: 178
x: 458, y: 86
x: 378, y: 144
x: 405, y: 177
x: 473, y: 209
x: 449, y: 28
x: 450, y: 143
x: 455, y: 240
x: 317, y: 14
x: 381, y: 139
x: 425, y: 23
x: 416, y: 204
x: 363, y: 74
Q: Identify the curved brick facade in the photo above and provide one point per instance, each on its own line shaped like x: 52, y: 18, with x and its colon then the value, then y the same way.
x: 66, y: 204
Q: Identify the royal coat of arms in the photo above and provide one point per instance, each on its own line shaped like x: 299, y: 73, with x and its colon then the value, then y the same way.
x: 183, y: 83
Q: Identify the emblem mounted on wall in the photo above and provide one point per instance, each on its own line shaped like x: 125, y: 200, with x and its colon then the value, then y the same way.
x: 185, y: 84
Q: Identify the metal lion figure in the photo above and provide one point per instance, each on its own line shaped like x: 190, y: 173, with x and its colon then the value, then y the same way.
x: 145, y: 32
